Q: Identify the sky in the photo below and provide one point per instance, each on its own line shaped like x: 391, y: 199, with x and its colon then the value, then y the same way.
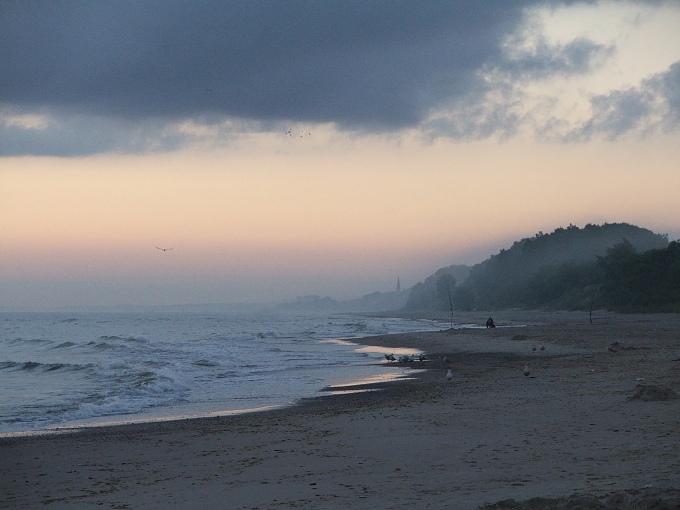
x: 289, y: 148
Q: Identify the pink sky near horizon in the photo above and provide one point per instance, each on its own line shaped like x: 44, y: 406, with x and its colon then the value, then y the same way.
x: 254, y: 215
x: 344, y: 214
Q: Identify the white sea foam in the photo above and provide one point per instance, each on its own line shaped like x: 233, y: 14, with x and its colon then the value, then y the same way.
x: 59, y: 368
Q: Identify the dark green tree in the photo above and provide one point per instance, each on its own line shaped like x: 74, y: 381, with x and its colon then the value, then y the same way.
x: 648, y: 281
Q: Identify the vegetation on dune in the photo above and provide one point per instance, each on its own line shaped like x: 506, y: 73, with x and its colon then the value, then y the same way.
x: 648, y: 281
x: 616, y: 266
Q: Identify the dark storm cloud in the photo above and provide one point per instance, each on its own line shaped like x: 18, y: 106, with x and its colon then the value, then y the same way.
x: 111, y: 75
x: 355, y: 63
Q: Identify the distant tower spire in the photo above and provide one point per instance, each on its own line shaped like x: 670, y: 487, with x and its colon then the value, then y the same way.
x: 398, y: 285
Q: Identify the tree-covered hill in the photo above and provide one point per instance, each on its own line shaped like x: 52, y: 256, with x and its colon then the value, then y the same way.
x: 565, y: 269
x: 526, y: 274
x: 648, y: 281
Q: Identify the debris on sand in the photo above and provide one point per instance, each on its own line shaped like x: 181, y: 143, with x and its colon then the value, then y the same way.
x: 645, y: 499
x: 651, y: 393
x: 580, y: 502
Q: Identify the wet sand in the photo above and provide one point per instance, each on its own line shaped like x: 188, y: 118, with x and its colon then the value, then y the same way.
x: 595, y: 423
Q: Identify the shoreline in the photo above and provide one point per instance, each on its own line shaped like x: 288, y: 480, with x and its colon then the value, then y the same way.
x: 491, y: 434
x: 381, y: 343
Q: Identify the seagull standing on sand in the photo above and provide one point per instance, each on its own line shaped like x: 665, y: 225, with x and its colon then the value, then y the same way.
x: 449, y: 375
x: 526, y: 370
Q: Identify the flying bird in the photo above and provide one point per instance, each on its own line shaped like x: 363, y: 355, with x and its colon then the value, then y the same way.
x: 163, y: 249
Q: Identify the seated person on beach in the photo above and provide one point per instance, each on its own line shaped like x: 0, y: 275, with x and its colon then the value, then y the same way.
x: 489, y: 323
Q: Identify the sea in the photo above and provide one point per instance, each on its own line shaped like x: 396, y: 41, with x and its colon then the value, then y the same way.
x: 66, y: 370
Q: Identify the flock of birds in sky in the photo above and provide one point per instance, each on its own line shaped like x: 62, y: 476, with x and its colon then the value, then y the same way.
x: 302, y: 133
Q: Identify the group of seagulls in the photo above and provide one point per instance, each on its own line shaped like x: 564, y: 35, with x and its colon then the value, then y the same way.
x: 404, y: 359
x: 526, y: 370
x: 449, y: 373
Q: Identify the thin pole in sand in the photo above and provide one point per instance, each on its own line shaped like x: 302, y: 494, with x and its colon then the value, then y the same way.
x: 448, y: 291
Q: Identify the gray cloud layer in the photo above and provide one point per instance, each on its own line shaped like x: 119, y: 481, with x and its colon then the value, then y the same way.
x: 652, y: 106
x: 111, y: 75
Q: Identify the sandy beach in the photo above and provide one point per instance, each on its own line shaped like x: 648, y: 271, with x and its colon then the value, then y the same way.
x: 596, y: 424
